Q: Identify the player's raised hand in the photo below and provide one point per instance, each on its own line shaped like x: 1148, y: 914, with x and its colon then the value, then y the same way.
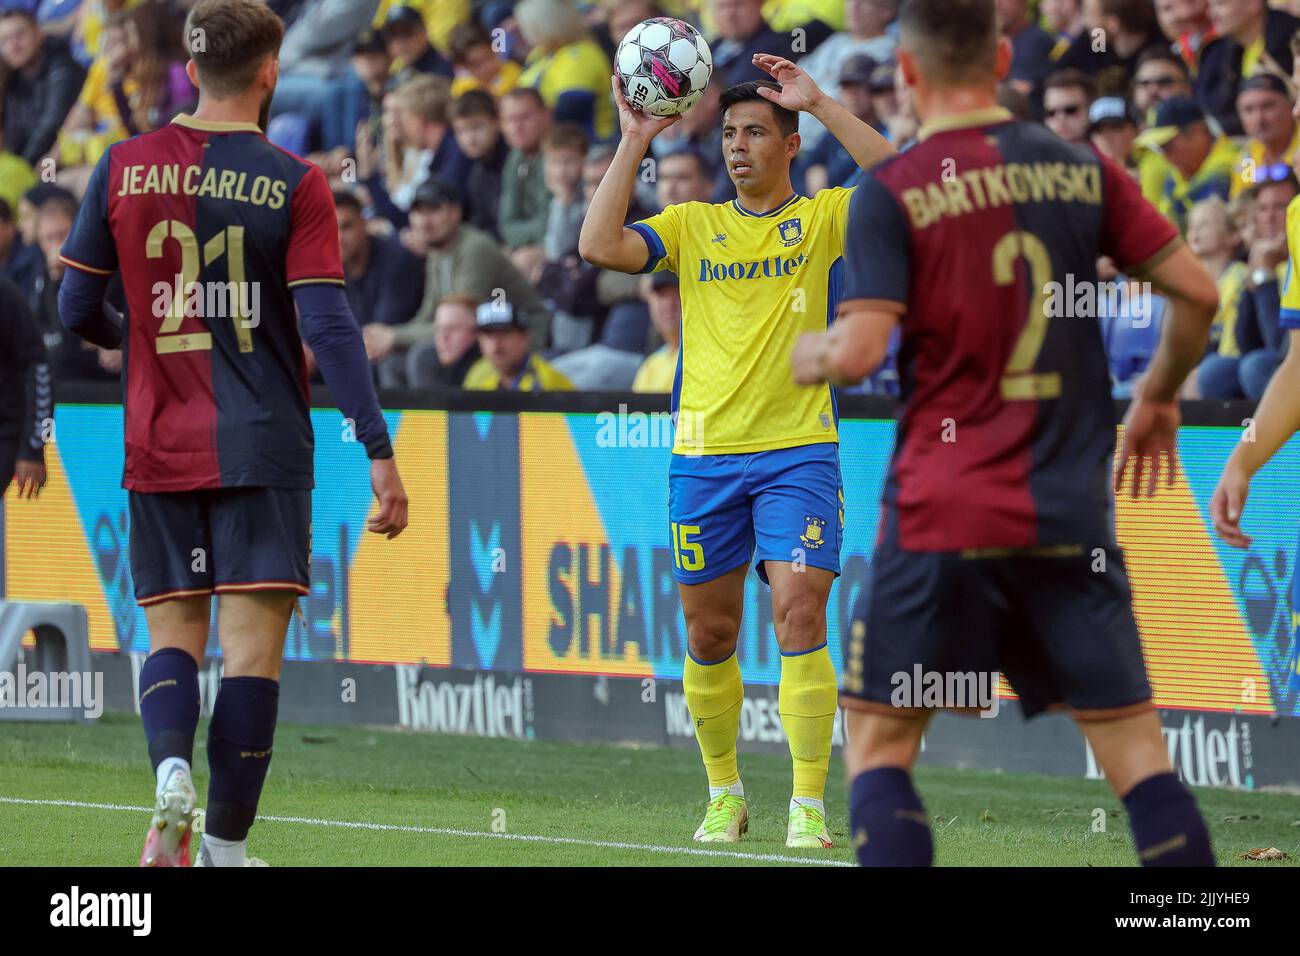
x: 798, y: 91
x: 386, y: 483
x: 1228, y: 503
x: 634, y: 123
x: 1150, y: 446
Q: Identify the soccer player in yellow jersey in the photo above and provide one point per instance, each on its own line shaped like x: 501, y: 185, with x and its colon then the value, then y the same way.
x: 755, y: 469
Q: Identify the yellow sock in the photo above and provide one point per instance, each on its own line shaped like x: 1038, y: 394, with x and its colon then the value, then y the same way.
x: 714, y: 695
x: 807, y: 705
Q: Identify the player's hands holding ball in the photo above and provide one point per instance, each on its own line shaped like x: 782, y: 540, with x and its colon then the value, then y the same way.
x: 635, y: 124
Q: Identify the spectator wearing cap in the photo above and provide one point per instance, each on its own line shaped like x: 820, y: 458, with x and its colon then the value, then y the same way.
x: 525, y: 121
x: 1201, y: 160
x: 461, y: 260
x: 385, y: 282
x: 356, y: 120
x: 1128, y: 27
x: 1112, y: 128
x: 566, y: 65
x: 1260, y: 338
x: 446, y: 360
x: 477, y: 125
x: 477, y: 65
x: 865, y: 37
x: 1031, y: 47
x: 42, y: 83
x: 408, y: 44
x: 662, y: 293
x: 19, y: 262
x: 1187, y: 26
x: 892, y: 106
x: 828, y: 163
x: 1252, y: 39
x: 1160, y: 74
x: 508, y: 362
x: 1067, y: 96
x: 1265, y: 107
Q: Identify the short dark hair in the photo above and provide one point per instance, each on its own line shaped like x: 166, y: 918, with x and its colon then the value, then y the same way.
x: 1156, y: 53
x: 473, y: 103
x: 955, y: 42
x: 787, y: 121
x: 56, y: 204
x: 1135, y: 16
x: 1069, y: 79
x: 20, y: 13
x: 526, y: 93
x: 1288, y: 180
x: 568, y: 136
x: 701, y: 164
x: 6, y: 212
x: 346, y: 199
x: 464, y: 38
x: 237, y: 36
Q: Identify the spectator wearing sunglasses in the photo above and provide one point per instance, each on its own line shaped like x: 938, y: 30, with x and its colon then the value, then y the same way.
x: 1160, y: 74
x: 1264, y: 105
x: 1067, y: 94
x: 1201, y: 161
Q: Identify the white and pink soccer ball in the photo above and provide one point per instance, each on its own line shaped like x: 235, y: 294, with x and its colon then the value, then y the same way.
x: 664, y: 66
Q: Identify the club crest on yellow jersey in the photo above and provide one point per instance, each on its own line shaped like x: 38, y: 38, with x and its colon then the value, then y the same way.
x: 791, y: 231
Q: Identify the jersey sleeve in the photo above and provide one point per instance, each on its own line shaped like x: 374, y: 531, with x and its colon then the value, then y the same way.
x: 314, y: 254
x: 662, y: 234
x: 839, y: 199
x: 1290, y: 316
x: 89, y: 246
x: 1134, y: 233
x: 877, y: 246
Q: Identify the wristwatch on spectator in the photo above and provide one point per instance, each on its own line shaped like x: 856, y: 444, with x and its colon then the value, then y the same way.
x: 1261, y: 276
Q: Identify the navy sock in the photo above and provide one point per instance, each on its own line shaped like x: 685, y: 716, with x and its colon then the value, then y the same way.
x: 1167, y: 827
x: 887, y: 820
x: 239, y: 753
x: 169, y: 704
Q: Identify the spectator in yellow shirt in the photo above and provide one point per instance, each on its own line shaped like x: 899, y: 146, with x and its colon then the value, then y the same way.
x: 508, y: 364
x: 477, y: 65
x: 566, y: 66
x: 662, y: 293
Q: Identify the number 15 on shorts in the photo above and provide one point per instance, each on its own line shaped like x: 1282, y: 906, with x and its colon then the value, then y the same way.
x: 688, y: 554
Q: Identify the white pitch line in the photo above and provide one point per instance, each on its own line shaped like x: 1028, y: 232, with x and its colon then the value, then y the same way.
x: 447, y: 831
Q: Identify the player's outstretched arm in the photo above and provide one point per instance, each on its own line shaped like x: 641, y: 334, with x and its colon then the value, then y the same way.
x: 1151, y: 425
x: 335, y: 339
x: 799, y: 92
x: 1276, y: 419
x: 604, y: 240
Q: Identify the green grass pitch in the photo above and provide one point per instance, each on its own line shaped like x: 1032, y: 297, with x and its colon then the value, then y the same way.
x: 341, y: 796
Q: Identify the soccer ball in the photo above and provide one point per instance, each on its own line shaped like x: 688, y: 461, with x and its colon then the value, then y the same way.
x: 664, y: 65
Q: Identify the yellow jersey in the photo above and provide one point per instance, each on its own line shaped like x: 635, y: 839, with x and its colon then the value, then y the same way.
x: 1291, y: 284
x: 750, y: 285
x: 579, y: 67
x: 1252, y: 164
x: 658, y: 372
x: 538, y: 375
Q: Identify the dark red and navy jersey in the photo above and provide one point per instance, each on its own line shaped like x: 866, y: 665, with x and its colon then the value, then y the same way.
x: 987, y: 233
x: 211, y: 227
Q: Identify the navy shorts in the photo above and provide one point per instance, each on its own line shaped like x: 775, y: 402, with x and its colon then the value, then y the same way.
x: 783, y: 505
x: 219, y: 540
x: 1056, y: 622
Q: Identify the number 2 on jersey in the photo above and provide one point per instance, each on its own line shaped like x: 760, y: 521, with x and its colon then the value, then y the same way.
x: 1020, y: 383
x: 228, y: 242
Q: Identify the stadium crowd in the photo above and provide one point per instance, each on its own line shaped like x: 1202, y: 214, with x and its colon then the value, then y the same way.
x: 464, y: 139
